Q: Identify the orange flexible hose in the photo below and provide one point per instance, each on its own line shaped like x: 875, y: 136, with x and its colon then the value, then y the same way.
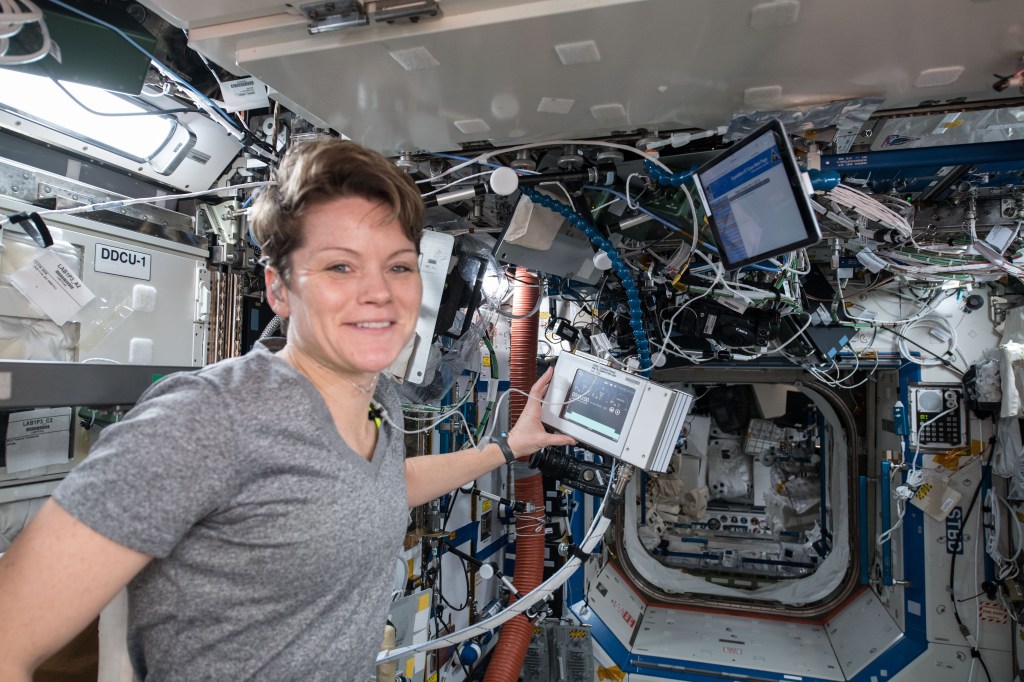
x: 514, y: 638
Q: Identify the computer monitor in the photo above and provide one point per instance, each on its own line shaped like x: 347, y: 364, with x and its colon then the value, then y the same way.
x: 756, y: 201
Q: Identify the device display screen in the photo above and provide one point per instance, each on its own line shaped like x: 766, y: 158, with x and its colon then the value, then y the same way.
x: 754, y: 197
x: 598, y: 404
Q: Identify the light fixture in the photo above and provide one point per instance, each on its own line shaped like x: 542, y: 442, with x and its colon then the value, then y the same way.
x: 40, y: 99
x: 495, y: 285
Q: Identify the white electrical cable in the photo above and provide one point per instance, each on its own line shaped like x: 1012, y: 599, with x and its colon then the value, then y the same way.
x: 870, y: 208
x: 653, y: 158
x: 901, y: 508
x: 912, y: 474
x: 927, y: 308
x: 801, y: 255
x: 797, y: 334
x: 453, y: 182
x: 120, y: 203
x: 497, y: 408
x: 992, y: 502
x: 630, y: 202
x: 14, y: 16
x: 841, y: 382
x: 211, y: 109
x: 511, y: 316
x: 940, y: 327
x: 992, y: 533
x: 997, y: 259
x: 666, y: 333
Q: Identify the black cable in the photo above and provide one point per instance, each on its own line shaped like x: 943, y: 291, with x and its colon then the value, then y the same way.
x: 481, y: 665
x: 202, y: 58
x: 250, y: 141
x: 961, y: 601
x: 448, y: 511
x: 465, y: 568
x: 513, y: 278
x: 938, y: 357
x: 465, y: 572
x: 130, y: 41
x: 465, y: 670
x: 975, y: 653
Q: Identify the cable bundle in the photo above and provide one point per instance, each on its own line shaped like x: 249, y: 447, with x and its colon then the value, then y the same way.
x: 15, y: 15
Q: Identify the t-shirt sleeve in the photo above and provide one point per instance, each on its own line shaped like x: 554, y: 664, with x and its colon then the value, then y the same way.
x: 151, y: 477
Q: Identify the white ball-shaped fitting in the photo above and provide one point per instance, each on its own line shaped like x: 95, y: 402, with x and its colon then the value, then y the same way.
x: 504, y: 181
x: 602, y: 261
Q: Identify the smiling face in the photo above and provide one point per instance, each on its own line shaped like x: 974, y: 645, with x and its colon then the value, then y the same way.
x: 353, y: 295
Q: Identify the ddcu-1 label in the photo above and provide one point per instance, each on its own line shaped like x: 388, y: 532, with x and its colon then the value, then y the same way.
x: 114, y: 260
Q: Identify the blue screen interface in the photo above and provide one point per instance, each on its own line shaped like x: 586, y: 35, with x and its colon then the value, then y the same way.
x: 752, y: 202
x: 598, y: 404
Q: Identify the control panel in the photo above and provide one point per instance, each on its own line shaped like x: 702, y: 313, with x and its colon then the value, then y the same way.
x: 733, y: 522
x: 938, y: 416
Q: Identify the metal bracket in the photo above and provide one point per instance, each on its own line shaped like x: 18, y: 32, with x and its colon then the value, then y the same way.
x: 389, y: 11
x: 224, y: 221
x: 334, y: 16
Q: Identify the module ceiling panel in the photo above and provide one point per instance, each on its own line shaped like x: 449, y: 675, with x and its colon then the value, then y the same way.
x: 515, y: 71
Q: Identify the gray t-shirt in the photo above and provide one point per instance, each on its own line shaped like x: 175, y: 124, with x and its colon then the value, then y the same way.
x: 274, y: 542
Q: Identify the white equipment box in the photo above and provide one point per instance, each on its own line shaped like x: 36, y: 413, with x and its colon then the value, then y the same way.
x: 620, y: 414
x: 435, y: 256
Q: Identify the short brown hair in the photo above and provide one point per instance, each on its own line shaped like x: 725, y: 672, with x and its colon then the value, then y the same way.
x: 323, y: 170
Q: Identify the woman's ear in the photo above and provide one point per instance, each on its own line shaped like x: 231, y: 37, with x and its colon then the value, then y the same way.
x: 277, y: 292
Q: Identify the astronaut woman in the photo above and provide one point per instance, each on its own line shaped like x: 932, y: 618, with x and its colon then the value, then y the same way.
x: 254, y: 508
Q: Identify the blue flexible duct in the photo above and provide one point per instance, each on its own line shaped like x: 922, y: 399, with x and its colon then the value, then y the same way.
x: 636, y: 319
x: 667, y: 179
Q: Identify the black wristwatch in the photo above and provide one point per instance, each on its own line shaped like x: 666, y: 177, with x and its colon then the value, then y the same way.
x: 501, y: 440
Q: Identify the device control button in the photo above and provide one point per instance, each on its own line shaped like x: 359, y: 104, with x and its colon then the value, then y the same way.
x: 929, y: 400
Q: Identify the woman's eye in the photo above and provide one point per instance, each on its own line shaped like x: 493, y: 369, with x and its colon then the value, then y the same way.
x: 402, y: 267
x: 341, y: 267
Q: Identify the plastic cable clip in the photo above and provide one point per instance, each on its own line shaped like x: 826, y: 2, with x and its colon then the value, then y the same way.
x: 576, y: 551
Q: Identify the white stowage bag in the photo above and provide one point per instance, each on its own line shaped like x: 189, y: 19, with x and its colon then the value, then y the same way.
x: 23, y: 338
x: 1011, y: 370
x: 25, y: 332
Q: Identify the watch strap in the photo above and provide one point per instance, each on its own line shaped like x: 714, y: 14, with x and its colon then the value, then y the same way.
x: 501, y: 440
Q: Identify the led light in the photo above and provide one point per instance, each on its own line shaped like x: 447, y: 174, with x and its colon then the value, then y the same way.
x: 494, y: 285
x: 41, y: 100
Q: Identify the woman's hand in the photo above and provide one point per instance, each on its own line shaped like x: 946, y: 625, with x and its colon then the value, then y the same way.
x: 528, y: 434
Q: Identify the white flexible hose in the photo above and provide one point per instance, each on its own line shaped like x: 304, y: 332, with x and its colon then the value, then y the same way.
x: 14, y: 16
x: 935, y: 323
x: 539, y: 593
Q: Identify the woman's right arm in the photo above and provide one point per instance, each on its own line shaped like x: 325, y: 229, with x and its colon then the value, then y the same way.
x: 54, y: 579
